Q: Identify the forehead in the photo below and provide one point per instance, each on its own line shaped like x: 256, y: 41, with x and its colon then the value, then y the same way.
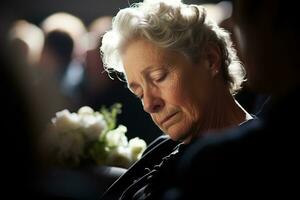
x: 141, y: 49
x: 139, y: 55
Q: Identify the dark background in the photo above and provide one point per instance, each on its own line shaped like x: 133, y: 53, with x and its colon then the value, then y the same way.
x: 36, y: 10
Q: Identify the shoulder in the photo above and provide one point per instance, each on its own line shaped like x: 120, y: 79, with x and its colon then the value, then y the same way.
x: 214, y: 161
x: 159, y: 148
x: 226, y: 151
x: 161, y: 140
x: 236, y: 158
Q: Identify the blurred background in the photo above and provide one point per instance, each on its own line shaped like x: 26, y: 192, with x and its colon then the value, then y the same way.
x: 35, y: 10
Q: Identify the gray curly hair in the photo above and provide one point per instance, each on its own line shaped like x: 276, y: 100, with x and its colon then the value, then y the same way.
x: 172, y: 25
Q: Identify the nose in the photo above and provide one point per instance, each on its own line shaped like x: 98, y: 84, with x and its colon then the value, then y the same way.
x: 152, y: 101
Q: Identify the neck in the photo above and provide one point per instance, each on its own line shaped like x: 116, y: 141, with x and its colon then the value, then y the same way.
x: 224, y: 112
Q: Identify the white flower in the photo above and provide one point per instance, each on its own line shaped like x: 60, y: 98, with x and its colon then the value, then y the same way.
x: 70, y: 145
x: 137, y: 147
x: 74, y: 138
x: 66, y: 121
x: 66, y: 146
x: 117, y: 137
x: 119, y: 156
x: 93, y: 125
x: 85, y: 110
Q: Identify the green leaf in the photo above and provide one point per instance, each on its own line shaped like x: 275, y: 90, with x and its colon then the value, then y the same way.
x: 110, y: 115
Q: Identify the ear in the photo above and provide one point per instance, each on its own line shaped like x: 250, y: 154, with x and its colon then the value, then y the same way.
x: 213, y: 56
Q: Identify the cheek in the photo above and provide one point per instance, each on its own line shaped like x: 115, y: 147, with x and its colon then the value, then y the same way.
x: 194, y: 102
x: 188, y: 94
x: 189, y: 101
x: 177, y: 93
x: 193, y: 114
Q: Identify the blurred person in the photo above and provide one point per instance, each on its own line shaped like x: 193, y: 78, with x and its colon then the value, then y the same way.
x: 218, y: 12
x: 57, y: 53
x: 251, y: 101
x: 97, y: 28
x: 182, y: 67
x: 56, y: 61
x: 259, y: 159
x: 73, y: 80
x: 20, y: 122
x: 72, y: 25
x: 27, y: 108
x: 28, y: 39
x: 97, y: 82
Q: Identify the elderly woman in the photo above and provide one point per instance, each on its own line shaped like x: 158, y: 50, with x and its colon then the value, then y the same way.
x: 183, y: 68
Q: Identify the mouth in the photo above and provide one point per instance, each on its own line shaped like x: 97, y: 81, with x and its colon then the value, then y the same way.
x: 168, y: 118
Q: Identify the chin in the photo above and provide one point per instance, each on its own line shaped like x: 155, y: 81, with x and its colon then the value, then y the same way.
x: 177, y: 134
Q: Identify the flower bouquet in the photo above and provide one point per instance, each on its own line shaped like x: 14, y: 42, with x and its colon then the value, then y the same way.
x: 91, y: 137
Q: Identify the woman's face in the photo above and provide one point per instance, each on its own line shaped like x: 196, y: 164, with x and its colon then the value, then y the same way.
x: 173, y: 90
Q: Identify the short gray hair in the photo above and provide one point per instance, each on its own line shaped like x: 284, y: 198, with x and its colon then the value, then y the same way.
x: 172, y: 25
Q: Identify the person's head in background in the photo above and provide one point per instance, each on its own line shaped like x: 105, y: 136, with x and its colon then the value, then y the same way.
x: 268, y: 34
x: 223, y: 12
x: 97, y: 80
x: 96, y: 30
x: 27, y: 41
x: 71, y: 24
x: 179, y: 63
x: 57, y: 52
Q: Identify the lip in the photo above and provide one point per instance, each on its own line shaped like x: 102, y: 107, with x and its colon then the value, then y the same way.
x: 167, y: 118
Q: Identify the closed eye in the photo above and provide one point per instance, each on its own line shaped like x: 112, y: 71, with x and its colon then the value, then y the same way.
x: 135, y: 89
x: 162, y: 77
x: 159, y: 76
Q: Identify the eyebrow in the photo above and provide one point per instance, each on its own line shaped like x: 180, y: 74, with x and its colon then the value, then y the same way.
x: 132, y: 86
x: 144, y: 72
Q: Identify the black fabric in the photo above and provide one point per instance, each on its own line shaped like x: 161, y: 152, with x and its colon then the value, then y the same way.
x: 260, y: 157
x: 156, y: 142
x: 154, y: 174
x: 155, y: 178
x: 154, y: 155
